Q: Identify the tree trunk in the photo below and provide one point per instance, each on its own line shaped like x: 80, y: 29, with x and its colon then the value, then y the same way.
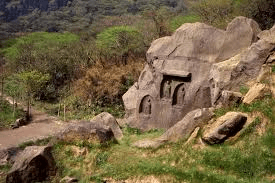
x: 64, y: 112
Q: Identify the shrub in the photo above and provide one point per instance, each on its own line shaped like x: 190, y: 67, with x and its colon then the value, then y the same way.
x: 117, y: 43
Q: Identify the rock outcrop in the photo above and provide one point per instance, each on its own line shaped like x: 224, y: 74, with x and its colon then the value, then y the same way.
x: 91, y: 132
x: 224, y: 127
x: 110, y: 121
x: 180, y: 130
x: 34, y: 164
x: 199, y: 66
x: 101, y: 128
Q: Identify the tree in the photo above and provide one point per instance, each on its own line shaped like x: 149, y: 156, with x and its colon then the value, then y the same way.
x: 32, y: 82
x: 160, y: 17
x: 116, y: 43
x: 262, y: 11
x: 213, y: 12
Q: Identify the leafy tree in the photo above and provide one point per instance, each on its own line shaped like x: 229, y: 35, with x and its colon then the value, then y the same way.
x: 262, y: 11
x: 213, y: 12
x: 161, y: 19
x: 32, y: 82
x: 119, y: 42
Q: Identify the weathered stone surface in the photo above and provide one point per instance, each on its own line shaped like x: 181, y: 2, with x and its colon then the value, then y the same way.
x: 265, y: 74
x: 203, y: 42
x: 229, y: 98
x: 180, y: 130
x: 91, y: 132
x: 110, y: 121
x: 34, y: 164
x: 192, y: 68
x: 257, y: 91
x: 8, y: 155
x: 224, y: 127
x: 192, y: 136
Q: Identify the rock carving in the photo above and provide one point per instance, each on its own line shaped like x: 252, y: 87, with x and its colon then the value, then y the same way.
x: 190, y: 69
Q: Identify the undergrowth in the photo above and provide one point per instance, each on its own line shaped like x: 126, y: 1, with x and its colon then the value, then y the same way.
x: 7, y: 117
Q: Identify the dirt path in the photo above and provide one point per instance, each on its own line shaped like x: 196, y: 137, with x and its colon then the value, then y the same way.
x: 41, y: 126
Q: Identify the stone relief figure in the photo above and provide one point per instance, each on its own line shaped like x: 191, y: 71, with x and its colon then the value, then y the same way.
x: 146, y: 105
x: 167, y: 89
x: 180, y: 95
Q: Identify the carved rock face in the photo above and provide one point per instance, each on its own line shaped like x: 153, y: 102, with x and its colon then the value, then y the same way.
x: 191, y: 68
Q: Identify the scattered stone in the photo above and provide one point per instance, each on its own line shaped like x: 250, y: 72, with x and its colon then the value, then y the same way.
x: 34, y: 164
x: 19, y: 122
x: 180, y: 130
x: 230, y: 98
x: 224, y: 127
x: 91, y: 132
x: 77, y: 151
x: 68, y: 179
x: 257, y: 91
x: 110, y: 121
x: 192, y: 136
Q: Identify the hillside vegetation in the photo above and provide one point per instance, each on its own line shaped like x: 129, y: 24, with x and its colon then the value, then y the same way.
x: 90, y: 67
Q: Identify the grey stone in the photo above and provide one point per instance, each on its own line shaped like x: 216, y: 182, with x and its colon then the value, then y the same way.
x: 34, y: 164
x: 191, y: 68
x: 110, y: 121
x: 257, y: 91
x: 91, y: 132
x: 181, y: 130
x: 224, y: 127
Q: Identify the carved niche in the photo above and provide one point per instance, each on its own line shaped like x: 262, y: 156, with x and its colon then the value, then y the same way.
x: 145, y: 107
x: 179, y: 94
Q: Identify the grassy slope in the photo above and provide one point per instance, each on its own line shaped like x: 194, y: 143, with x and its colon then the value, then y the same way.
x: 6, y: 114
x: 250, y: 158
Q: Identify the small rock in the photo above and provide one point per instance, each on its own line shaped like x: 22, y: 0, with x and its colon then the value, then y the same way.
x: 256, y: 92
x: 229, y: 98
x: 34, y: 164
x: 193, y: 136
x: 68, y: 179
x: 224, y: 127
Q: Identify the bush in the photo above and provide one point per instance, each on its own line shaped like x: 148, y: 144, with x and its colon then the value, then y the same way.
x: 117, y: 43
x: 214, y: 12
x: 262, y: 11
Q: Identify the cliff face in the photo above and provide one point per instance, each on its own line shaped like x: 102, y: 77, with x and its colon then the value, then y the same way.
x: 11, y: 10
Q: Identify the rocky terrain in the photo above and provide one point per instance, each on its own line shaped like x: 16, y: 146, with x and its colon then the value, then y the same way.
x: 188, y: 77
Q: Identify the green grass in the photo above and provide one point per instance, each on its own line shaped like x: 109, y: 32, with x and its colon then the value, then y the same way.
x: 6, y: 114
x: 38, y: 40
x: 250, y: 159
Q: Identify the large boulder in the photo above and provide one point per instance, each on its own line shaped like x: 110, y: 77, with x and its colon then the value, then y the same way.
x: 90, y: 132
x: 224, y: 127
x: 191, y: 69
x: 34, y: 164
x: 180, y: 130
x: 110, y: 121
